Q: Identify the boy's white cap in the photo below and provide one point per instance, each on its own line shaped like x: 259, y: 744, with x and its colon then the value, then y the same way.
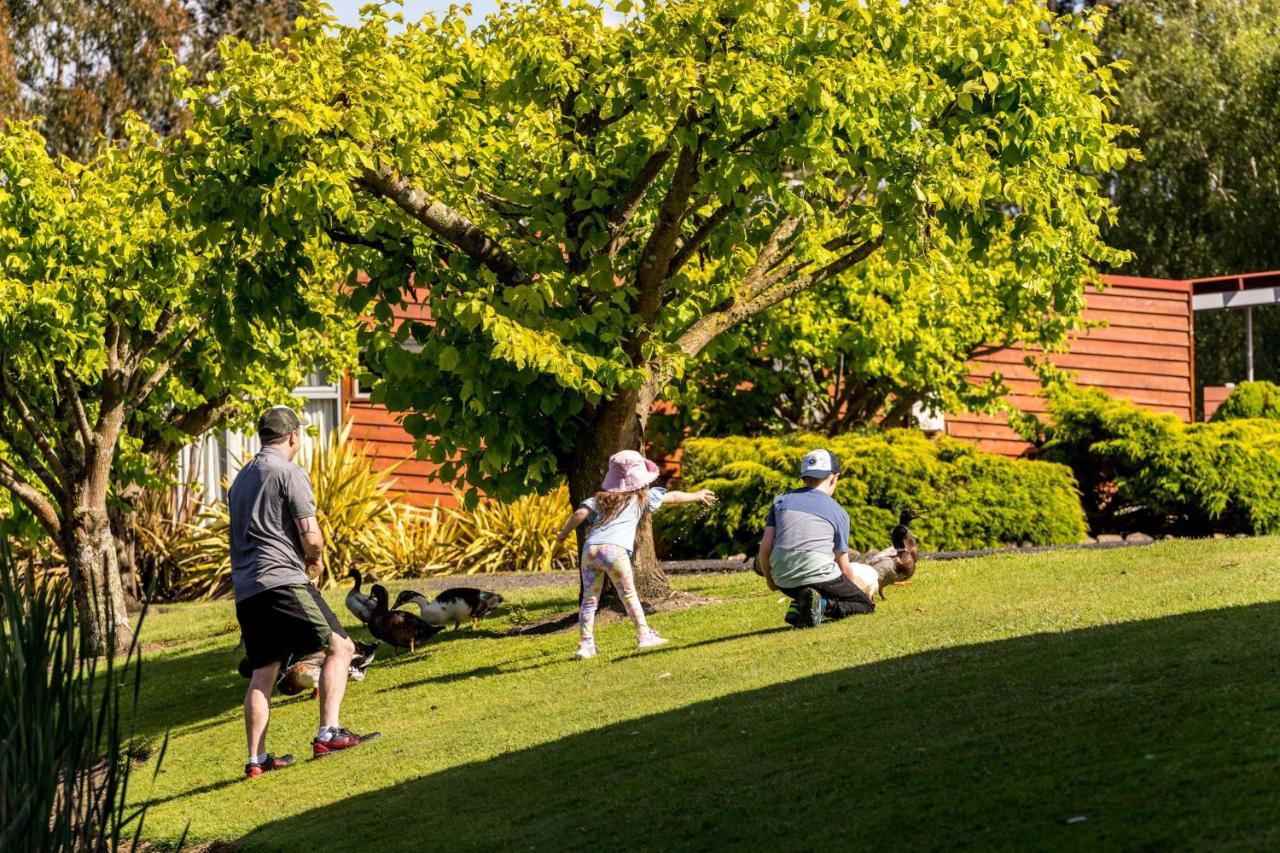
x: 820, y: 463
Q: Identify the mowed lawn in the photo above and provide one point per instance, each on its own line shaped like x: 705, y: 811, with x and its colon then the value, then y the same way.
x: 1082, y: 699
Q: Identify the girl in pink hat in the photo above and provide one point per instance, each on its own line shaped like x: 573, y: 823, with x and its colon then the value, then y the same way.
x: 613, y: 516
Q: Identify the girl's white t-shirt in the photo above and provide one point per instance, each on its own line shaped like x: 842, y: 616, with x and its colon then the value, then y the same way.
x: 621, y: 529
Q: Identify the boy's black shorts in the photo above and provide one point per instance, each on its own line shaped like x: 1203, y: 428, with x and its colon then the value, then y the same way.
x: 284, y: 622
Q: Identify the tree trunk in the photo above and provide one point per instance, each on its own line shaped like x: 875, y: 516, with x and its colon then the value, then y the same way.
x: 126, y: 542
x: 89, y: 547
x: 619, y: 426
x: 90, y: 551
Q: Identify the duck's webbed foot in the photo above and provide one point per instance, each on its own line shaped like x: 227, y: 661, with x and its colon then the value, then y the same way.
x: 903, y: 583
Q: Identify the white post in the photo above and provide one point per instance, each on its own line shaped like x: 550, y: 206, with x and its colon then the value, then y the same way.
x: 1248, y: 341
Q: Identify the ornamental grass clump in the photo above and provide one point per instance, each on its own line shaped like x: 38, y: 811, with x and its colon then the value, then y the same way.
x: 511, y: 536
x: 416, y: 543
x: 66, y: 755
x: 1138, y: 467
x: 974, y: 499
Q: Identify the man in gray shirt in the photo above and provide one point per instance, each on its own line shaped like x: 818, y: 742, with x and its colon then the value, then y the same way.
x: 274, y: 539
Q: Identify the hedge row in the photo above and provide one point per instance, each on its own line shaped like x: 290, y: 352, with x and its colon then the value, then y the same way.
x: 974, y: 499
x: 1136, y: 466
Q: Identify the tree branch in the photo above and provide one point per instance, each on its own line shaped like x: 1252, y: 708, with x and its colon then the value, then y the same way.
x: 29, y: 458
x: 709, y: 326
x: 629, y: 203
x: 698, y: 237
x: 193, y: 422
x: 38, y: 435
x: 389, y: 248
x: 782, y: 232
x: 72, y: 395
x: 655, y: 259
x: 139, y: 391
x: 150, y: 341
x: 36, y: 502
x: 443, y: 221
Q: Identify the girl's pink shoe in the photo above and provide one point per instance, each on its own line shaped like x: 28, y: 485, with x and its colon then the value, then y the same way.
x: 586, y: 649
x: 649, y: 639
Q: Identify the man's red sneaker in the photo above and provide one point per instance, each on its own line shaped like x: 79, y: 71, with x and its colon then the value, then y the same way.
x: 254, y: 770
x: 340, y: 740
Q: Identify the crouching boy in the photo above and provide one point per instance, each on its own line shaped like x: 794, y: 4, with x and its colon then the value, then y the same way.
x: 805, y: 550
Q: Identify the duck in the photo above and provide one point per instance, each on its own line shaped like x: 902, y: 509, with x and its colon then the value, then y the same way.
x: 303, y: 673
x: 455, y: 605
x: 360, y: 604
x: 895, y: 565
x: 396, y: 628
x: 365, y: 654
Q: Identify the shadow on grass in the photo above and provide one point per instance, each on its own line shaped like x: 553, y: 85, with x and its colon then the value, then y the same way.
x: 1159, y: 734
x: 182, y: 690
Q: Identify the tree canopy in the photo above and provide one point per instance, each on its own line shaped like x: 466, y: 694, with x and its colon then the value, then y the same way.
x: 867, y: 349
x: 1202, y: 85
x: 78, y: 67
x: 125, y: 321
x: 588, y: 207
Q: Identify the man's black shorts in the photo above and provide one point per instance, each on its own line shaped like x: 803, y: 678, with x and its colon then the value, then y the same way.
x: 285, y: 622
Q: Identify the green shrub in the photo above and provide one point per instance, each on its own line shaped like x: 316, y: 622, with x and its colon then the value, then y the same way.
x: 1250, y: 400
x: 974, y: 499
x: 1202, y: 477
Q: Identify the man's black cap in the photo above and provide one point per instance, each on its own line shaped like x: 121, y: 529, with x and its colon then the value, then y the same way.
x: 277, y: 422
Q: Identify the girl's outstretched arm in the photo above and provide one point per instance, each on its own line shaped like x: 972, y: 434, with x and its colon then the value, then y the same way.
x: 579, y: 515
x: 703, y: 496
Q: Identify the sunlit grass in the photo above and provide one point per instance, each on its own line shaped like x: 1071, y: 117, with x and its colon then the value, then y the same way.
x: 991, y: 704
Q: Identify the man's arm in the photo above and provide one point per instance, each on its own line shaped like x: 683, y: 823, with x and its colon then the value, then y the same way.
x: 766, y: 548
x: 842, y: 563
x: 312, y: 544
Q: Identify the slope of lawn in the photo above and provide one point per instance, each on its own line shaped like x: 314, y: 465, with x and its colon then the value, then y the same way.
x: 1082, y: 699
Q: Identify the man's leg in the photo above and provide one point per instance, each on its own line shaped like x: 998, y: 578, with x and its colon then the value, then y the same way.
x: 844, y: 598
x: 333, y: 678
x: 801, y: 613
x: 257, y: 708
x: 320, y: 627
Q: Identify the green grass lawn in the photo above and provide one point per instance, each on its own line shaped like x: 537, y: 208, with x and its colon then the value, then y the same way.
x: 1103, y: 699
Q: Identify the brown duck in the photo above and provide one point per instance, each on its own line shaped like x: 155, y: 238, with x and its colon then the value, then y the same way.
x: 398, y: 629
x: 895, y: 565
x: 301, y: 674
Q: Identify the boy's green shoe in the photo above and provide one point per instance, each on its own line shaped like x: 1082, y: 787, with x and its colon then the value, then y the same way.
x: 793, y: 614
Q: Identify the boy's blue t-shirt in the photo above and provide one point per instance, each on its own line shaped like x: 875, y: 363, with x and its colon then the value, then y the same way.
x: 810, y: 528
x: 621, y: 529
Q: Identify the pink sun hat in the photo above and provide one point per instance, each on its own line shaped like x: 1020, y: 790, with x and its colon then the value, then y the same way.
x: 628, y: 471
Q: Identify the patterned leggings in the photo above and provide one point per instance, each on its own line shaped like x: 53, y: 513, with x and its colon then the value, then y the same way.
x: 598, y: 561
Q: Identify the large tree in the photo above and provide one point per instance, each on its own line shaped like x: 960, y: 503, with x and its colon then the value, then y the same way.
x: 124, y: 320
x: 588, y: 206
x: 77, y: 67
x: 1202, y: 88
